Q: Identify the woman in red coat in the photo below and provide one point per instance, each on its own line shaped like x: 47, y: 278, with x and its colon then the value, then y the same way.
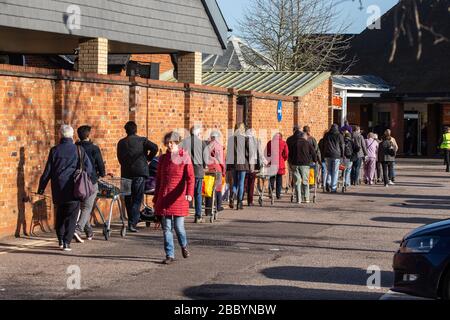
x: 174, y: 190
x: 278, y: 153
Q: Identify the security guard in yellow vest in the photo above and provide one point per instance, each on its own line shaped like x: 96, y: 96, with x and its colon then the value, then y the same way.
x: 445, y: 146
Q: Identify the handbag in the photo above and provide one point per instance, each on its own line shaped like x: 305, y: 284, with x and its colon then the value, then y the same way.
x: 83, y: 187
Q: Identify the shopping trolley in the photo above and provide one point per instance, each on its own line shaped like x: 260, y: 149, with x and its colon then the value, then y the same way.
x: 209, y: 187
x: 313, y: 182
x: 113, y: 189
x: 263, y: 177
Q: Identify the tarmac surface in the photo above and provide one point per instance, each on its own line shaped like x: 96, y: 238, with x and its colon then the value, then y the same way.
x: 284, y: 251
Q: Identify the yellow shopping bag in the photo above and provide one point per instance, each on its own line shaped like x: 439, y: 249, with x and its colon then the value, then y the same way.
x: 312, y: 177
x: 208, y: 187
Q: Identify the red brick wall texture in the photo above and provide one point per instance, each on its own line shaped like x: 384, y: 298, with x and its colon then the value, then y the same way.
x: 35, y: 102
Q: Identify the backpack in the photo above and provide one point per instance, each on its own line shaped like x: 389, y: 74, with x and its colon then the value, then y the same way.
x: 356, y: 147
x: 389, y: 149
x: 348, y: 150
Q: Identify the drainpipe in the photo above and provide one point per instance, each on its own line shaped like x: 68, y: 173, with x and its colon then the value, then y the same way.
x: 344, y: 107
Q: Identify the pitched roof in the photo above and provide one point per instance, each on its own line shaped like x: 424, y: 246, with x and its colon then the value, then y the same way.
x: 238, y: 56
x: 273, y: 82
x: 360, y: 83
x: 407, y: 75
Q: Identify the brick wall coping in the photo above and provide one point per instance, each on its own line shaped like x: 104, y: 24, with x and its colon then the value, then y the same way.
x: 268, y: 96
x: 58, y: 74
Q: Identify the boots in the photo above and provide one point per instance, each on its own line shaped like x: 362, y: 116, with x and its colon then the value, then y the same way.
x: 232, y: 196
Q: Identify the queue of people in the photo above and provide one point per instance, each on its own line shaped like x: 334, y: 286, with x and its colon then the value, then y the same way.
x: 181, y: 170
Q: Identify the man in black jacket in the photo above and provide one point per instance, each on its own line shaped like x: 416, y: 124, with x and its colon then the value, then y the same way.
x: 63, y: 162
x: 333, y: 153
x: 95, y: 155
x: 134, y: 153
x: 301, y: 156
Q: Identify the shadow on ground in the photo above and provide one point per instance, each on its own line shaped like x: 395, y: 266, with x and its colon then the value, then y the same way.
x: 247, y: 292
x: 336, y: 275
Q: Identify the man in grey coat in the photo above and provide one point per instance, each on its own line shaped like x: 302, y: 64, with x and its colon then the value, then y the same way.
x: 360, y: 156
x: 198, y: 152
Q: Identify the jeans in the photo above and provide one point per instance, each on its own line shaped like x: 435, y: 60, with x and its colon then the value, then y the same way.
x: 347, y: 173
x: 279, y: 180
x: 333, y: 172
x: 86, y: 211
x: 394, y: 173
x: 238, y: 184
x: 66, y: 220
x: 301, y: 182
x: 356, y: 169
x: 388, y: 171
x: 198, y: 197
x: 133, y: 202
x: 170, y: 223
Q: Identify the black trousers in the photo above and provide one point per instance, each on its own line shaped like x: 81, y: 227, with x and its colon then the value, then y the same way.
x: 447, y: 160
x: 133, y: 203
x: 66, y: 220
x: 250, y: 179
x: 279, y: 179
x: 388, y: 171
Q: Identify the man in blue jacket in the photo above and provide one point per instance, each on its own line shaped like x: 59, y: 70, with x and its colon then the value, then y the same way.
x: 63, y: 162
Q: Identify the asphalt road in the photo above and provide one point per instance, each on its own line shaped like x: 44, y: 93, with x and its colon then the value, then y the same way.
x: 285, y: 251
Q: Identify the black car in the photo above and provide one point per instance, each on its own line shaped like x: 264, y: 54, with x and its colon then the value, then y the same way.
x: 422, y: 264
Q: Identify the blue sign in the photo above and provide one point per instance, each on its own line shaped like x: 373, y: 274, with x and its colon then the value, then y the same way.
x: 280, y: 111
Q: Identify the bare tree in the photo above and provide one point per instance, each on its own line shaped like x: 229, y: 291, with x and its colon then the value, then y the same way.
x: 297, y: 34
x: 409, y: 23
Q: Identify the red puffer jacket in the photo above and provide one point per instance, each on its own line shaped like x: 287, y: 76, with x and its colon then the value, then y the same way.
x: 175, y: 180
x: 281, y: 150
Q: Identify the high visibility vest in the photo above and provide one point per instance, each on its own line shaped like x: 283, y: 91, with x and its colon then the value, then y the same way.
x: 446, y: 141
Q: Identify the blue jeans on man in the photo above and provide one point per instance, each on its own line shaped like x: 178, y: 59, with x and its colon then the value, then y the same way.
x: 198, y: 197
x: 333, y: 173
x: 169, y: 224
x: 356, y: 169
x: 347, y: 173
x: 239, y: 184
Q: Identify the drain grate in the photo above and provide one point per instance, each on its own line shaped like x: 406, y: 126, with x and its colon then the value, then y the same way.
x: 213, y: 243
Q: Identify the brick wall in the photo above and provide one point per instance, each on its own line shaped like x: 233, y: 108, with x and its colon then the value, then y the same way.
x: 312, y: 110
x: 35, y: 102
x: 164, y: 60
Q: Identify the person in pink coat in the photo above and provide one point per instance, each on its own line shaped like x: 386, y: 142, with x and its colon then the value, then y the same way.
x: 215, y: 159
x: 371, y: 160
x: 278, y: 153
x: 174, y: 190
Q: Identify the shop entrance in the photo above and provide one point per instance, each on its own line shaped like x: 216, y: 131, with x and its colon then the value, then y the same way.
x: 412, y: 134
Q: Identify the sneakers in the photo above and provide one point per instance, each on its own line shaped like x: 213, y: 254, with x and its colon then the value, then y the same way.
x: 198, y: 220
x: 61, y: 244
x: 66, y: 247
x: 90, y: 236
x: 168, y: 261
x: 132, y: 229
x: 77, y: 237
x: 391, y: 183
x: 185, y: 252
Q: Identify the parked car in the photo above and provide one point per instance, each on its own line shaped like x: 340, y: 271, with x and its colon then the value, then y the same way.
x: 422, y: 264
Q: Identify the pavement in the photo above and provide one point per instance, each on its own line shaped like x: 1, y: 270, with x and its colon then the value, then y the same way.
x: 285, y: 251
